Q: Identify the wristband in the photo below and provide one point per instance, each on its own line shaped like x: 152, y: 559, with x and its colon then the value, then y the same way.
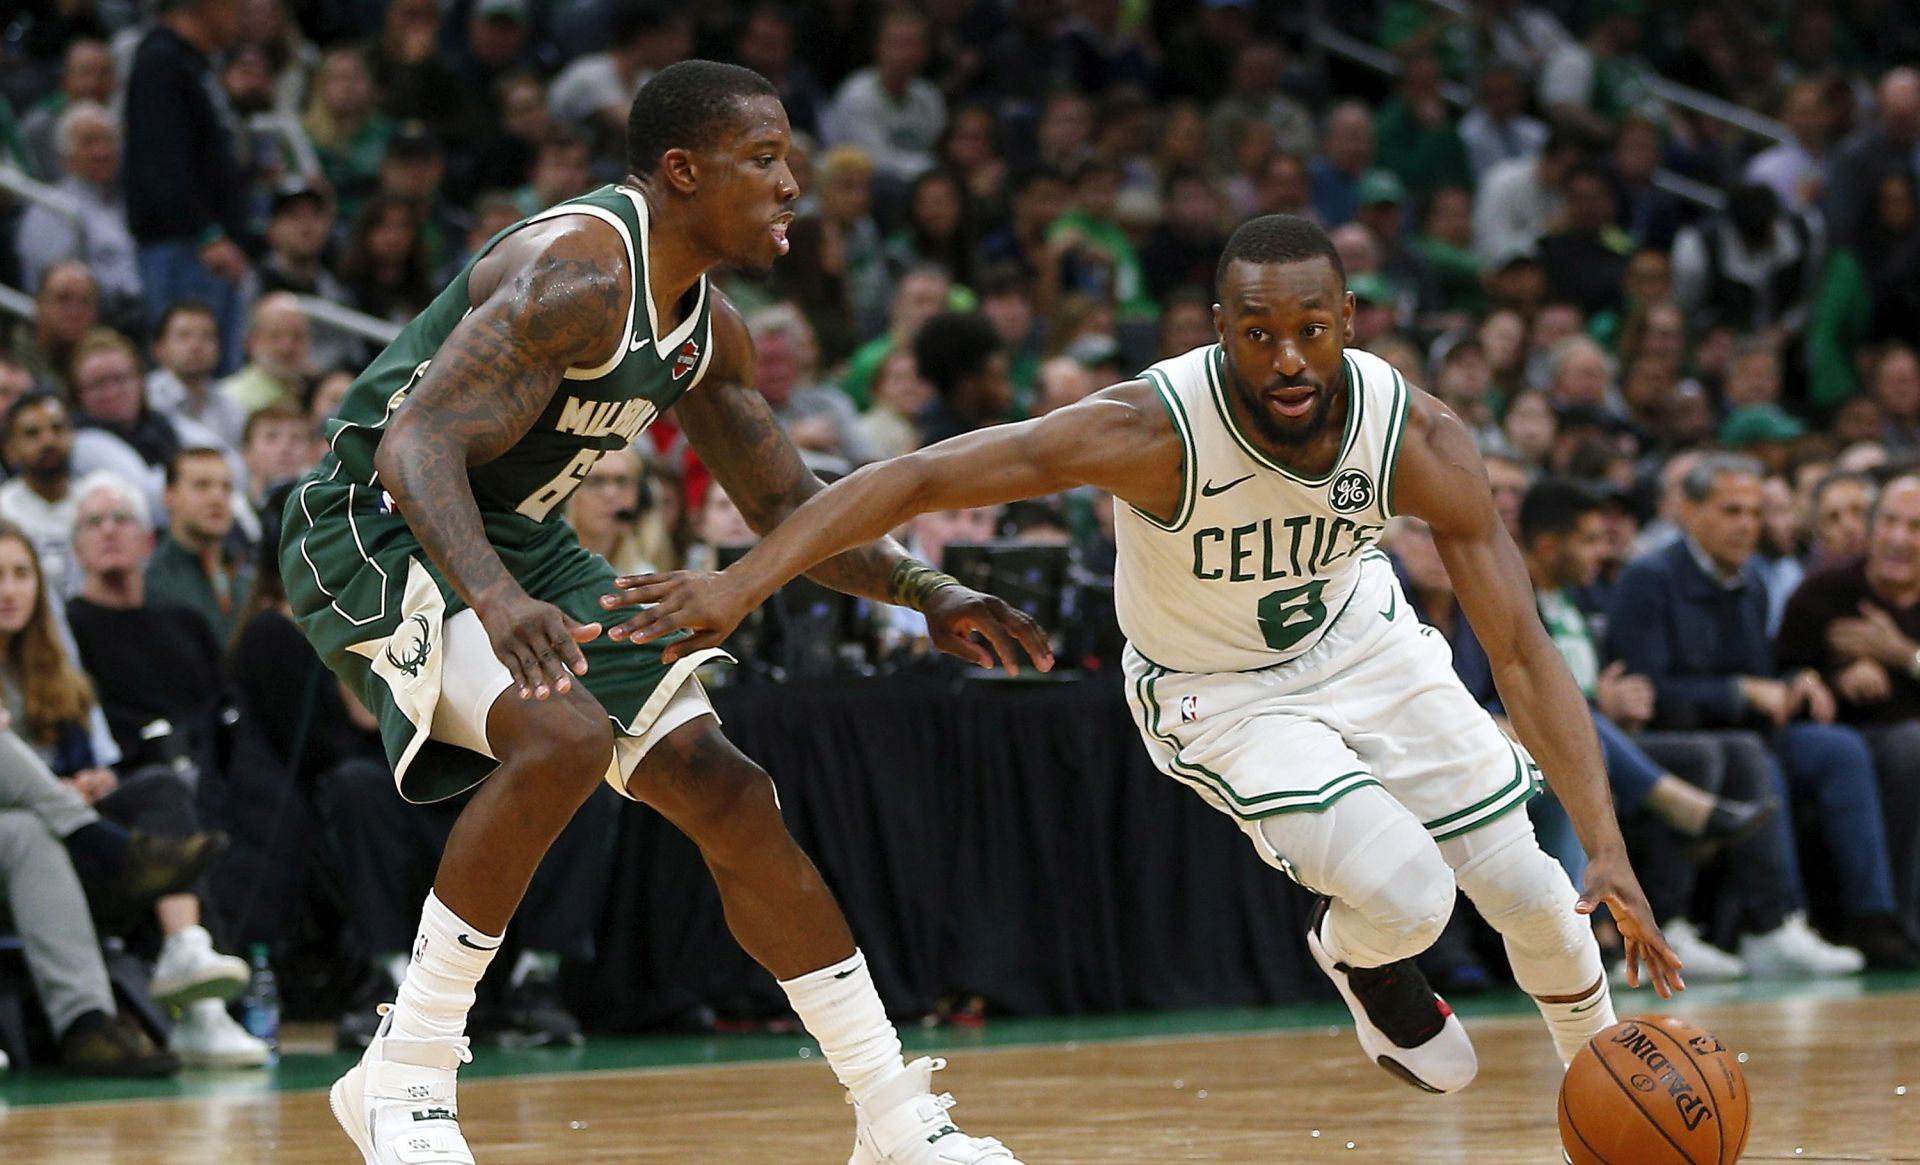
x: 912, y: 583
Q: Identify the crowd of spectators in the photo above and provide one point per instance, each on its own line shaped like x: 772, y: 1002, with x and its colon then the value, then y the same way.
x: 1685, y: 343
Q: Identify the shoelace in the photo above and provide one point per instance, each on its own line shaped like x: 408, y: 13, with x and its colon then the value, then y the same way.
x: 946, y: 1101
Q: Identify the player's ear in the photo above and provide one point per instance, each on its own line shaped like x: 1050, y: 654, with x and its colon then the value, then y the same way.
x: 1346, y: 318
x: 1219, y: 322
x: 679, y: 170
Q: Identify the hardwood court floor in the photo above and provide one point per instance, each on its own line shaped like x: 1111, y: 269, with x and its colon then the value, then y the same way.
x: 1827, y: 1067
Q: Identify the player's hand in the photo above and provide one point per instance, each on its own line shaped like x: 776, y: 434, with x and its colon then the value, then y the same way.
x: 706, y: 604
x: 956, y: 614
x: 539, y: 643
x: 1610, y: 880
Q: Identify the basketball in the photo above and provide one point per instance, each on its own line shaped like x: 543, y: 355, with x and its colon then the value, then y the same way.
x: 1654, y: 1090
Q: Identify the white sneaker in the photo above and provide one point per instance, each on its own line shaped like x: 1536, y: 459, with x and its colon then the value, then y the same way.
x: 1403, y: 1025
x: 905, y: 1124
x: 189, y: 969
x: 207, y: 1037
x: 398, y: 1102
x: 1792, y: 950
x: 1699, y: 958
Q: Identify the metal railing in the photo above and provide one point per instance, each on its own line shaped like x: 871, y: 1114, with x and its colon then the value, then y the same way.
x: 1370, y: 56
x: 346, y: 319
x: 27, y: 188
x: 15, y: 302
x: 1676, y: 94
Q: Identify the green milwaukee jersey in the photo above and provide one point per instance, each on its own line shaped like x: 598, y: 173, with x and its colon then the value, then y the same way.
x: 368, y: 595
x: 593, y: 412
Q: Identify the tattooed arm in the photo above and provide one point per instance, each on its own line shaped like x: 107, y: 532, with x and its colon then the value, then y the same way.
x: 547, y: 298
x: 739, y: 439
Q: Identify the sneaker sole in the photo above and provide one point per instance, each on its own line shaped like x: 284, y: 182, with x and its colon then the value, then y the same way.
x: 217, y: 1061
x: 215, y: 987
x: 347, y: 1099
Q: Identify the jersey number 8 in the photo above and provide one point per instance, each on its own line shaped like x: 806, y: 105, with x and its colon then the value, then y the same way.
x: 1290, y: 615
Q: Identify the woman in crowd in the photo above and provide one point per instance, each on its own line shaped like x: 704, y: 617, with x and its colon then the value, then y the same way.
x: 348, y: 130
x: 937, y: 229
x: 386, y: 264
x: 51, y: 704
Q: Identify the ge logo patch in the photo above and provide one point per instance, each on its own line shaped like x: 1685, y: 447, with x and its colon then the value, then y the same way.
x: 1352, y: 492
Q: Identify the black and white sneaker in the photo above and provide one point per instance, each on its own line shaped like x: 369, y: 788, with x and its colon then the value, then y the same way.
x: 1404, y: 1027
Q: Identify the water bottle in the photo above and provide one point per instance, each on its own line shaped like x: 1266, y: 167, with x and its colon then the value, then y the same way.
x: 260, y: 1006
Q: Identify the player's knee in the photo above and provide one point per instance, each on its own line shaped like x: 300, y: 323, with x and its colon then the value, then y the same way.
x: 1409, y: 906
x: 570, y: 743
x: 1525, y: 894
x: 735, y: 811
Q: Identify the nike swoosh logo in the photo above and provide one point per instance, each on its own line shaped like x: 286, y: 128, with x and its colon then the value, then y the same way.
x: 1209, y: 490
x: 474, y: 946
x: 639, y: 342
x: 1586, y: 1007
x: 1393, y: 606
x: 844, y: 974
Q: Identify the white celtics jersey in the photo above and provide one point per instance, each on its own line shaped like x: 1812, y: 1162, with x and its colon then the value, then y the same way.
x: 1258, y: 560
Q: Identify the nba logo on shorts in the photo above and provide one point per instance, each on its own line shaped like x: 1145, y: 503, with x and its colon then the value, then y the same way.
x: 1189, y: 709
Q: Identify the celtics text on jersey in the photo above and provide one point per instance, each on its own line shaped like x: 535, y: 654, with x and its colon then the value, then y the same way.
x: 1259, y: 559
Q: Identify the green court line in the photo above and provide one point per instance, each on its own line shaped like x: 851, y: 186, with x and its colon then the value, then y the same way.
x: 297, y: 1073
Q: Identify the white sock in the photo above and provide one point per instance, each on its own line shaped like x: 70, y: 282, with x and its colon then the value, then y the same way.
x: 449, y: 956
x: 841, y: 1009
x: 1573, y: 1024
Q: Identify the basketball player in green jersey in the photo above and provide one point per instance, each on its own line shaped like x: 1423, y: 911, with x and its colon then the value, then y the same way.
x: 425, y: 561
x: 1273, y: 663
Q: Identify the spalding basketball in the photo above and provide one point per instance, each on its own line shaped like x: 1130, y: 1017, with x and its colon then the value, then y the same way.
x: 1654, y: 1091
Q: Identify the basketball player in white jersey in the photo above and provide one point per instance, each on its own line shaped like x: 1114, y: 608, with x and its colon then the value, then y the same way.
x: 1273, y: 664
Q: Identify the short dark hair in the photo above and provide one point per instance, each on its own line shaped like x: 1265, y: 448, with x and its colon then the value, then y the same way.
x: 267, y: 414
x: 684, y: 105
x: 1555, y: 505
x: 1278, y: 238
x: 29, y: 400
x: 953, y: 346
x: 190, y: 453
x: 1845, y: 477
x: 184, y: 307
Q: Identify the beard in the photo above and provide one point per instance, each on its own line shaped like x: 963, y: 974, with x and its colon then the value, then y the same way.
x: 1283, y: 434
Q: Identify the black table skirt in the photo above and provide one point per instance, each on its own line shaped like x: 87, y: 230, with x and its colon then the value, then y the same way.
x: 1002, y: 839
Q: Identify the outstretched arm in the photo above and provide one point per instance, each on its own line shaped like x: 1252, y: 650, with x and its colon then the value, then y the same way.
x: 541, y: 304
x: 737, y: 436
x: 1441, y: 479
x: 1119, y: 440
